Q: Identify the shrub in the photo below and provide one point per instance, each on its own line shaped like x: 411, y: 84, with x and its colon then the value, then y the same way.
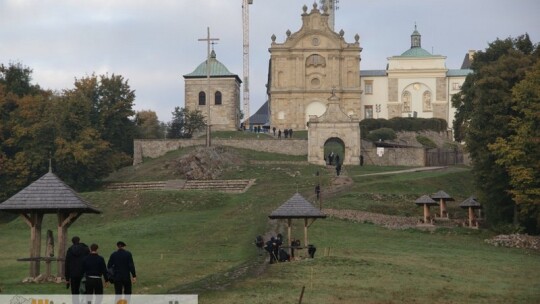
x: 403, y: 124
x: 426, y: 142
x: 382, y: 133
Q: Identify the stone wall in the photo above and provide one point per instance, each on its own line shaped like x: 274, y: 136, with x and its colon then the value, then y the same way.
x: 395, y: 157
x: 154, y: 148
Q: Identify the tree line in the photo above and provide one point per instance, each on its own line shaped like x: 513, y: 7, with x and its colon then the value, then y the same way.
x: 498, y: 118
x: 87, y: 131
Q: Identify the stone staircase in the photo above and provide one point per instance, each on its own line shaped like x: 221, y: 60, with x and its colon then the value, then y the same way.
x: 136, y: 186
x: 233, y: 186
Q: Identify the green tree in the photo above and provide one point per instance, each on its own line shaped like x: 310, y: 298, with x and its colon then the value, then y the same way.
x: 185, y: 123
x: 112, y: 110
x: 17, y: 79
x: 484, y: 112
x: 519, y: 153
x: 148, y: 125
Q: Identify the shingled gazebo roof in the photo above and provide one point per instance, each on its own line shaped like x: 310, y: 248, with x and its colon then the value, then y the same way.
x: 441, y: 194
x: 470, y: 202
x: 296, y: 207
x: 425, y: 200
x: 48, y: 195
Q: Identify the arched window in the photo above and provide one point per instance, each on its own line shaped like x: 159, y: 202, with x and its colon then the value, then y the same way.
x: 315, y: 60
x: 202, y: 98
x: 217, y: 98
x: 426, y: 98
x: 406, y: 100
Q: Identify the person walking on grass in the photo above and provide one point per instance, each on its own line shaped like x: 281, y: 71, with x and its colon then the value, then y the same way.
x: 95, y: 271
x: 73, y: 267
x: 121, y: 261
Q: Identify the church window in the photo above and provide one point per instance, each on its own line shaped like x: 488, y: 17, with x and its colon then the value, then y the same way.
x: 368, y: 112
x: 315, y: 60
x: 426, y: 101
x: 202, y: 98
x: 406, y: 100
x: 316, y: 82
x: 368, y: 87
x: 217, y: 98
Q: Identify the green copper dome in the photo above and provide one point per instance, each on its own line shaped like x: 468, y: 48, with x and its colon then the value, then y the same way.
x: 216, y: 68
x: 416, y: 49
x: 416, y: 52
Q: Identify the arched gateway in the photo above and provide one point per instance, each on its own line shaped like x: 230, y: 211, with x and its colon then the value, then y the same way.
x: 334, y: 126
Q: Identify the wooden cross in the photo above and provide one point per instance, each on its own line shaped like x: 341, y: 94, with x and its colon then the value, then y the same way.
x: 208, y: 42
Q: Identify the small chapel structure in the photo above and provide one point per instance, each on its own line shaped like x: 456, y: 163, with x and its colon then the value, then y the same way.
x: 222, y: 96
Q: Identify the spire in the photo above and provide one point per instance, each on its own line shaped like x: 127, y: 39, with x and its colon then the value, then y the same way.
x: 416, y: 38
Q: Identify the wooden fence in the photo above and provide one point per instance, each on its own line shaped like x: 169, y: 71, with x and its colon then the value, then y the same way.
x: 443, y: 157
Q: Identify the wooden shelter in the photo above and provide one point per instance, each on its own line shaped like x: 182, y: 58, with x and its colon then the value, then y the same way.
x: 48, y: 194
x: 471, y: 203
x: 443, y: 197
x: 426, y: 201
x: 297, y: 207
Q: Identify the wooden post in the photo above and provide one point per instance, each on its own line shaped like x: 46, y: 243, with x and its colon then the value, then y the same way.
x: 34, y: 221
x: 64, y: 221
x: 426, y: 213
x: 471, y: 216
x: 443, y: 208
x: 305, y: 233
x: 289, y: 224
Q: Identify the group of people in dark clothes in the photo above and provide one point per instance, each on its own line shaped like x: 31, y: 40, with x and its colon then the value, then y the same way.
x: 331, y: 159
x: 275, y: 250
x: 85, y: 262
x: 287, y: 132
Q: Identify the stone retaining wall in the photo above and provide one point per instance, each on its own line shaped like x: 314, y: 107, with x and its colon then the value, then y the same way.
x: 412, y: 157
x: 154, y: 148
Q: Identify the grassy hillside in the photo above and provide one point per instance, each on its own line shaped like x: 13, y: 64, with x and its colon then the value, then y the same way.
x: 201, y: 242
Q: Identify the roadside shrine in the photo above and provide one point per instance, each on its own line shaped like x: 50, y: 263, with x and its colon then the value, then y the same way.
x: 50, y: 195
x: 297, y: 207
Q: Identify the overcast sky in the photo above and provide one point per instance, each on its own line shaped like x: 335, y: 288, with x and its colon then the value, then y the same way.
x: 152, y: 43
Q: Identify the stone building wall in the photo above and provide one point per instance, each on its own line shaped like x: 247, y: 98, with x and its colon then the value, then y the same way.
x: 154, y: 148
x: 395, y: 157
x: 224, y: 117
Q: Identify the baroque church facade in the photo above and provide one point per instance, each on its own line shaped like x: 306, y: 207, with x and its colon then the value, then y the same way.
x: 307, y: 68
x: 220, y: 99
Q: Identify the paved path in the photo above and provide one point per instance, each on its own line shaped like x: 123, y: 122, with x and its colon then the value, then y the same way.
x: 420, y: 169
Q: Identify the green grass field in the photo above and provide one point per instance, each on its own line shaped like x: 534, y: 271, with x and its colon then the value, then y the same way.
x: 202, y: 242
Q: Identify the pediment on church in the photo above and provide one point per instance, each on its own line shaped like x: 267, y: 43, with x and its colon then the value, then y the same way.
x: 315, y: 33
x: 333, y: 114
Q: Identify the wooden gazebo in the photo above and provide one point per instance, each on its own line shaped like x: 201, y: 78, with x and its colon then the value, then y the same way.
x: 48, y: 194
x: 426, y: 201
x: 471, y: 203
x: 442, y: 197
x: 297, y: 207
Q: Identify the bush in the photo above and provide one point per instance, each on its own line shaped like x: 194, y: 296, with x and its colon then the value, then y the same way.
x: 403, y: 124
x: 426, y: 142
x: 382, y: 133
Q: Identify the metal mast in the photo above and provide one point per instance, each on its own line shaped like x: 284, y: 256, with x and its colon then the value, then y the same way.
x: 332, y: 6
x: 245, y: 25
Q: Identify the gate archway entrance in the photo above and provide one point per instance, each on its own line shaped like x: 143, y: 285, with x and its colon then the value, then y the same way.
x: 334, y: 130
x: 335, y: 146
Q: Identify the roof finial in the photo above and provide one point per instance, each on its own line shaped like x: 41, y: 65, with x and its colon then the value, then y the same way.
x: 415, y: 25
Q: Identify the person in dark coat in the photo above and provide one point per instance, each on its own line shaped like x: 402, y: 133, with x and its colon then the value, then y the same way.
x: 318, y: 191
x: 121, y: 261
x: 338, y: 169
x: 74, y: 260
x: 94, y: 270
x: 286, y: 131
x: 270, y: 248
x: 290, y: 133
x: 274, y: 129
x: 337, y: 159
x: 279, y: 134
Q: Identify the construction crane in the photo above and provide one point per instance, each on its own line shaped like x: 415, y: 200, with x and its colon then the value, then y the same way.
x: 332, y: 6
x: 245, y: 25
